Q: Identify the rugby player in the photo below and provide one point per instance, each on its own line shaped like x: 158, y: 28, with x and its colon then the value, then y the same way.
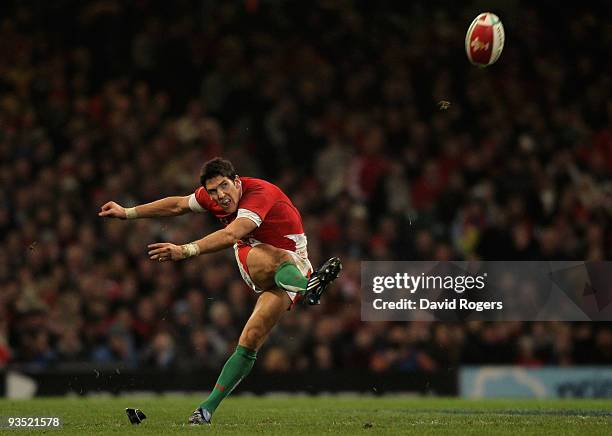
x: 266, y: 231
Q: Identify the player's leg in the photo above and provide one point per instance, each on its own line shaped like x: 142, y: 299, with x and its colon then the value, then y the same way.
x: 263, y: 267
x: 272, y: 266
x: 270, y: 306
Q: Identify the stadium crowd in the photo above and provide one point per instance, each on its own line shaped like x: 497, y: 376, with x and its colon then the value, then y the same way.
x: 342, y: 105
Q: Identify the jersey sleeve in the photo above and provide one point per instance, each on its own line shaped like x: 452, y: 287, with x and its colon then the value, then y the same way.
x: 200, y: 201
x: 255, y: 204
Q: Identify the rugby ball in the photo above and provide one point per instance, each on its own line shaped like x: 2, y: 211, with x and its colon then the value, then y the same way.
x: 484, y: 40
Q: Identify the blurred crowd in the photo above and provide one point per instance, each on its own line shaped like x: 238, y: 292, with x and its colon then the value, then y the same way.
x: 367, y: 114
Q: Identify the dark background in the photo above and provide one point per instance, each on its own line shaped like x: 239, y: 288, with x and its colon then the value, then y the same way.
x: 337, y: 103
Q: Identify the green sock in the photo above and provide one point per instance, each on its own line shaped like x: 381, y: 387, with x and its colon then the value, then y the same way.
x: 235, y: 369
x: 289, y: 277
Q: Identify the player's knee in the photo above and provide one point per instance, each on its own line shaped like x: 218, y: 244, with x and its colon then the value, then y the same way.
x: 279, y: 258
x: 252, y: 336
x: 282, y: 257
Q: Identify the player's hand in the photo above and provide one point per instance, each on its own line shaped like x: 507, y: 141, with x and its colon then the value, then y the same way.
x: 165, y: 251
x: 113, y: 210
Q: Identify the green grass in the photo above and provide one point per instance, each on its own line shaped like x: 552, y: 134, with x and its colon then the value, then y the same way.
x: 286, y: 415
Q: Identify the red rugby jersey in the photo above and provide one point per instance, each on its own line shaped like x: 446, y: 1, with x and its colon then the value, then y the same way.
x: 278, y: 221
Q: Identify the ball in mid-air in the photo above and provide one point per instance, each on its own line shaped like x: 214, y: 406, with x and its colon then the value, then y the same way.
x: 484, y: 40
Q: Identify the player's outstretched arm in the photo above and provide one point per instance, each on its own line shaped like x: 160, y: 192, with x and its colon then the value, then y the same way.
x: 236, y: 230
x: 169, y: 206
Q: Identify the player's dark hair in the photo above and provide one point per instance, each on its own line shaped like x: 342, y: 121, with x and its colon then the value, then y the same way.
x: 217, y: 167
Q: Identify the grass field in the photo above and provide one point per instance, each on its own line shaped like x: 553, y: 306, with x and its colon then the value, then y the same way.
x: 321, y: 415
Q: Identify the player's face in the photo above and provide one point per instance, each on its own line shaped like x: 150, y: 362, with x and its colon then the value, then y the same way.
x: 225, y: 191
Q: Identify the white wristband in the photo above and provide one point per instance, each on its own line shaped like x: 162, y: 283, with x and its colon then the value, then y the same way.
x: 191, y: 249
x: 130, y: 213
